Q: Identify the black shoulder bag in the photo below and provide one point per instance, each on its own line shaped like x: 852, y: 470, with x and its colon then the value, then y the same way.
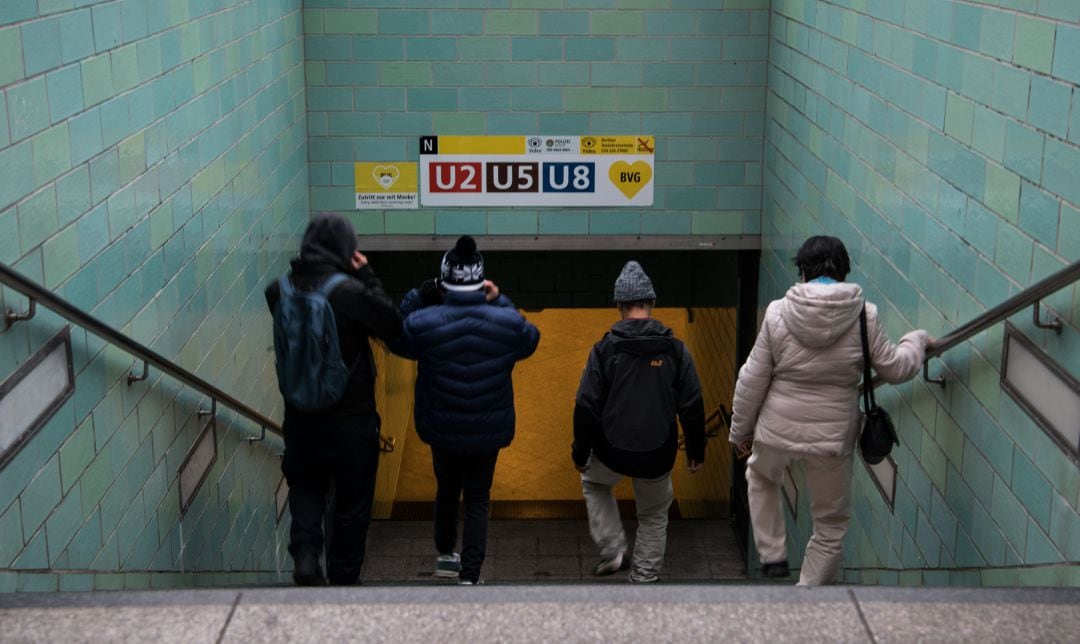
x: 878, y: 434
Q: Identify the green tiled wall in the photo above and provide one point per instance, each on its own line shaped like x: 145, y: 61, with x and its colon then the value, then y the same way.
x: 940, y: 140
x: 153, y: 171
x: 380, y: 74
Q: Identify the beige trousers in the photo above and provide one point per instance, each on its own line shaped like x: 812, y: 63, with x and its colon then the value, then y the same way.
x: 652, y: 497
x: 828, y: 481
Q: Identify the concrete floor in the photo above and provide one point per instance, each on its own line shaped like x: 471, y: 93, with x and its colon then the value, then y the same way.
x: 559, y: 550
x: 546, y: 613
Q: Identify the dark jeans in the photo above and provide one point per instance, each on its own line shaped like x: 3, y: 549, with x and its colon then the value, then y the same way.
x: 342, y: 452
x: 470, y: 473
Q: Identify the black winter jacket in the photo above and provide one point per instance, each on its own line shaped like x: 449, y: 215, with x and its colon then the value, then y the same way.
x: 637, y: 379
x: 361, y: 309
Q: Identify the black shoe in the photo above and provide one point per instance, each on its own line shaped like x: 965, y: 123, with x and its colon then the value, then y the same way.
x: 775, y: 570
x: 307, y: 571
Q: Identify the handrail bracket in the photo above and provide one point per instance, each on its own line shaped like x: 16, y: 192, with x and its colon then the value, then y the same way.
x: 940, y: 380
x: 1054, y: 324
x: 132, y: 378
x: 11, y: 317
x: 261, y: 437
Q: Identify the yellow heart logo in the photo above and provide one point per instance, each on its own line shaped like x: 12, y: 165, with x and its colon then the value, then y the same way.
x: 386, y: 175
x: 630, y: 178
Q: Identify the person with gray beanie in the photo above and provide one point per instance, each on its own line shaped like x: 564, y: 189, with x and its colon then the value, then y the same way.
x: 637, y: 380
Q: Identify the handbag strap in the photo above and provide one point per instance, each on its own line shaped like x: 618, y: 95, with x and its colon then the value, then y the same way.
x: 868, y: 380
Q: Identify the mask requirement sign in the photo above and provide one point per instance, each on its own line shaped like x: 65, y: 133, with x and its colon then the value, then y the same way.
x: 536, y: 170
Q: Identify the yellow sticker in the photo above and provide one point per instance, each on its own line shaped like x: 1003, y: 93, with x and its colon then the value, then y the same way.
x: 386, y: 177
x: 630, y: 178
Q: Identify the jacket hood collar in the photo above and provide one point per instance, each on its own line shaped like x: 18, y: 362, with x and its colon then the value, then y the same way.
x: 818, y: 314
x: 329, y: 240
x: 476, y: 296
x: 641, y: 335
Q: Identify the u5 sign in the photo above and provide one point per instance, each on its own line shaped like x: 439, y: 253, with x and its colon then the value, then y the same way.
x: 536, y: 170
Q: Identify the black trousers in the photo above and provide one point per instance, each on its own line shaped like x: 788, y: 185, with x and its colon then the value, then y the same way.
x: 344, y: 453
x: 468, y: 474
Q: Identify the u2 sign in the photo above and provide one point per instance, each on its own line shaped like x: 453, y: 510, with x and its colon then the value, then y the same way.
x: 536, y: 170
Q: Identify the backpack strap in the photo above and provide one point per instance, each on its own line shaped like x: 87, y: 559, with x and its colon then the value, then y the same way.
x: 868, y: 379
x: 331, y: 283
x: 285, y: 286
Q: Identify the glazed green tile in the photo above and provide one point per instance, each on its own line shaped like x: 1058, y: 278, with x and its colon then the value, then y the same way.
x: 512, y: 74
x: 457, y: 22
x: 41, y: 45
x: 484, y: 48
x: 1060, y: 10
x: 592, y: 48
x: 1049, y: 107
x: 670, y: 223
x: 1034, y: 45
x: 40, y: 497
x: 643, y: 49
x: 97, y: 79
x: 1014, y: 253
x: 1059, y: 169
x: 614, y: 223
x: 341, y: 47
x: 617, y: 23
x: 11, y: 61
x: 357, y: 22
x: 28, y: 108
x: 37, y: 219
x: 60, y: 255
x: 1039, y: 214
x: 11, y: 534
x: 1023, y: 151
x: 716, y: 223
x: 1011, y: 88
x: 1069, y: 232
x: 52, y: 154
x: 1067, y: 52
x: 392, y: 21
x: 959, y: 116
x: 588, y: 99
x: 643, y: 99
x: 107, y: 26
x: 422, y: 48
x: 460, y: 123
x: 996, y: 34
x: 564, y: 23
x: 405, y: 73
x: 410, y: 223
x: 510, y: 22
x: 564, y: 223
x: 313, y: 21
x: 988, y: 133
x: 509, y: 123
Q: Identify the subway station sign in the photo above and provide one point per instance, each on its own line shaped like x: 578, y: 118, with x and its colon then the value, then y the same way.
x: 536, y: 170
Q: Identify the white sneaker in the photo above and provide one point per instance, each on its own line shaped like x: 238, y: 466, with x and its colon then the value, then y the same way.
x: 465, y: 582
x: 448, y: 566
x: 621, y: 561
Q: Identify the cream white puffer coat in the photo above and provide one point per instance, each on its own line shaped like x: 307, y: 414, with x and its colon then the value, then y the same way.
x: 798, y: 390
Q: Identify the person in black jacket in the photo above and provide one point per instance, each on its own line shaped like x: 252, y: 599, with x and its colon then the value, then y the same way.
x: 637, y: 379
x: 466, y: 338
x: 338, y: 445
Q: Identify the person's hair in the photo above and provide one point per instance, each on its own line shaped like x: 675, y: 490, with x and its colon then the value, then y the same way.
x: 822, y: 256
x: 636, y: 304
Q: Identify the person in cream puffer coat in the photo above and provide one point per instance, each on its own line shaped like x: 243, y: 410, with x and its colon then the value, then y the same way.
x: 796, y: 399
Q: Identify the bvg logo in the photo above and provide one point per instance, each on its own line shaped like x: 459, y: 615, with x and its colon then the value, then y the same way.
x: 656, y: 363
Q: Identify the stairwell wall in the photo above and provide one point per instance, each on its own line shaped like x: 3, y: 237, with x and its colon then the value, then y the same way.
x: 940, y: 139
x: 153, y: 156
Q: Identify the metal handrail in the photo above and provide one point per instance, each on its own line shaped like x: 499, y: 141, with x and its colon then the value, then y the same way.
x: 1025, y: 298
x: 142, y: 352
x: 148, y: 356
x: 1030, y: 296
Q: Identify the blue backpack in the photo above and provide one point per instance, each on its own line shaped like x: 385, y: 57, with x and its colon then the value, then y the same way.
x: 311, y: 372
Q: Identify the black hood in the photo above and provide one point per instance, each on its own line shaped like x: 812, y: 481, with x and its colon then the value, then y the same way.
x: 643, y: 336
x: 329, y: 240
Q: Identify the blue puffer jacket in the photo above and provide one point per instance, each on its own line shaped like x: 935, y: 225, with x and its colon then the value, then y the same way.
x: 466, y: 349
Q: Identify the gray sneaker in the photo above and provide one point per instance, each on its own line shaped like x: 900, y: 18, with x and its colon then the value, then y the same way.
x: 643, y: 578
x: 448, y: 566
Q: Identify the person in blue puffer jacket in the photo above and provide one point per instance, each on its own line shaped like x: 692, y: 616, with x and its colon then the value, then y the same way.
x: 466, y: 338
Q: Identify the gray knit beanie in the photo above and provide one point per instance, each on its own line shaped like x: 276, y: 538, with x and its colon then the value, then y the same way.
x: 633, y: 285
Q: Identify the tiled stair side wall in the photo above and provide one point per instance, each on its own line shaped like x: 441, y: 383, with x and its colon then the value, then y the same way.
x: 382, y: 74
x: 154, y: 156
x: 941, y: 140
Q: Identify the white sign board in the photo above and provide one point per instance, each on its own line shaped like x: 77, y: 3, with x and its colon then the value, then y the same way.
x: 536, y: 170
